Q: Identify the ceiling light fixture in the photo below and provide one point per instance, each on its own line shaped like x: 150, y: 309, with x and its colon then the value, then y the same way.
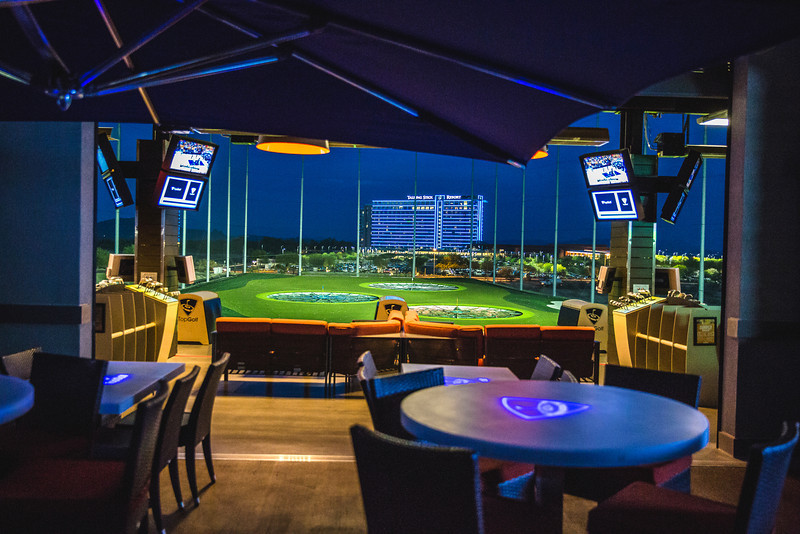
x: 718, y: 118
x: 541, y: 153
x: 292, y: 145
x: 580, y: 136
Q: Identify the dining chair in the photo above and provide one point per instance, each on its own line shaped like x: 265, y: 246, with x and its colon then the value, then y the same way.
x: 65, y: 414
x: 196, y: 425
x: 546, y: 369
x: 18, y: 364
x: 600, y: 483
x: 46, y: 495
x: 385, y: 394
x: 409, y: 486
x: 642, y: 508
x: 567, y: 376
x: 365, y: 371
x: 113, y: 443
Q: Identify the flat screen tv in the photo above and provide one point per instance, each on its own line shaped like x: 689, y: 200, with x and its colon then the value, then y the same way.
x: 121, y: 265
x: 603, y: 169
x: 190, y: 156
x: 616, y: 204
x: 673, y: 205
x: 605, y: 279
x: 180, y: 192
x: 689, y: 169
x: 185, y: 267
x: 111, y: 173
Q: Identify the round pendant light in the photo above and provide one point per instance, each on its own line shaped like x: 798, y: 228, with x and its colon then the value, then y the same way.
x: 292, y: 145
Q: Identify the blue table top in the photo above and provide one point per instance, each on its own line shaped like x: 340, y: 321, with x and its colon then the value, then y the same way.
x: 464, y: 374
x: 16, y: 398
x: 130, y: 382
x: 556, y: 423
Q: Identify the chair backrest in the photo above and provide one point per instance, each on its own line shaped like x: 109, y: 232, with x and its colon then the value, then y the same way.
x: 142, y: 450
x: 67, y: 393
x: 546, y: 369
x: 411, y: 487
x: 170, y: 429
x: 19, y: 363
x: 366, y: 367
x: 682, y: 387
x: 199, y: 424
x: 566, y: 376
x: 763, y: 482
x: 388, y: 392
x: 366, y: 371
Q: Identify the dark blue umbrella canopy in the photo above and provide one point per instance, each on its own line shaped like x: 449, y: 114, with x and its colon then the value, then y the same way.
x: 490, y: 80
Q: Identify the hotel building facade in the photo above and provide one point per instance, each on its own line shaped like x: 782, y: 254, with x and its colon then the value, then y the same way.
x: 427, y: 221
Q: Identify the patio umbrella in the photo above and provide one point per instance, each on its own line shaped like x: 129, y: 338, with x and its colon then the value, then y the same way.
x: 490, y: 80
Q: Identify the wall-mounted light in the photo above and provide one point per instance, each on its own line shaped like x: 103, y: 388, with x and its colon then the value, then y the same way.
x: 292, y: 145
x: 718, y: 118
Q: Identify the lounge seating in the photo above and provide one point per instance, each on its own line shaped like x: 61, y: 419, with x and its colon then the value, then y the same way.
x: 513, y: 346
x: 574, y: 348
x: 446, y: 344
x: 290, y: 345
x: 517, y: 346
x: 642, y: 508
x: 297, y: 345
x: 345, y: 345
x: 245, y: 339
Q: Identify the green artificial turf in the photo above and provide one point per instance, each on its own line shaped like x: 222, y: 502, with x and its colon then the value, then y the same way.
x: 245, y: 296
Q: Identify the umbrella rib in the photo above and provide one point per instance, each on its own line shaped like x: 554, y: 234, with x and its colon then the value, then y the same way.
x: 112, y: 29
x: 449, y: 55
x: 196, y: 67
x: 135, y: 45
x: 36, y: 36
x: 159, y: 79
x: 15, y: 75
x: 423, y: 115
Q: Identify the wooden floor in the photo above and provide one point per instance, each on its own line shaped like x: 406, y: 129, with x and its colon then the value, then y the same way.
x: 285, y: 464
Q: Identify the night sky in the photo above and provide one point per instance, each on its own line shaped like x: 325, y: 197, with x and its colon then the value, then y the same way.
x: 330, y: 192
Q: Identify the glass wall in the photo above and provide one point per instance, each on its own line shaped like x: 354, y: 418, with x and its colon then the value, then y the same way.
x: 302, y: 214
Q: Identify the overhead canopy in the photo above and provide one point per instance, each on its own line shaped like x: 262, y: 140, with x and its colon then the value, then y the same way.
x: 491, y: 80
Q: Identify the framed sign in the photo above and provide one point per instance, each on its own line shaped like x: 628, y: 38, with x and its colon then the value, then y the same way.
x: 705, y: 330
x: 99, y: 317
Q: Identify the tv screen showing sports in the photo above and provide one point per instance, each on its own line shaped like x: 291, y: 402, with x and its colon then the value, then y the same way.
x: 602, y: 169
x: 180, y: 192
x: 616, y: 204
x: 689, y: 169
x: 190, y: 156
x: 673, y: 205
x: 111, y: 173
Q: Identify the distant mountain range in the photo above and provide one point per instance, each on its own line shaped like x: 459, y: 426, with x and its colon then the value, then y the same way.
x: 105, y: 232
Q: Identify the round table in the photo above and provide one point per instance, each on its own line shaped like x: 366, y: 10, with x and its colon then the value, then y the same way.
x: 16, y: 398
x: 555, y: 425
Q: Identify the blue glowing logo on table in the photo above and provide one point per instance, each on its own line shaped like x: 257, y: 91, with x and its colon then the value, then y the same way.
x: 455, y: 380
x: 531, y: 409
x: 110, y: 380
